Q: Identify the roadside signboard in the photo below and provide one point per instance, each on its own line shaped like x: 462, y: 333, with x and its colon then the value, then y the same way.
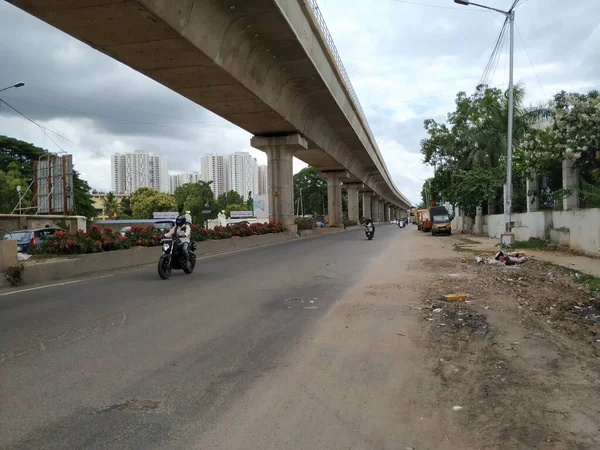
x: 165, y: 215
x: 241, y: 214
x: 261, y: 207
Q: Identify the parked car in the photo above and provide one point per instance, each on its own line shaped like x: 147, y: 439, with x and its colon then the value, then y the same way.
x: 30, y: 238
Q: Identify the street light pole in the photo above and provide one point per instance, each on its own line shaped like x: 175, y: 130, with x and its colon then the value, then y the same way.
x: 16, y: 85
x: 508, y: 205
x: 510, y: 14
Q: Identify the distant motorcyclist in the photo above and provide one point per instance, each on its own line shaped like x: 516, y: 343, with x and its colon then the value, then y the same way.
x: 183, y: 232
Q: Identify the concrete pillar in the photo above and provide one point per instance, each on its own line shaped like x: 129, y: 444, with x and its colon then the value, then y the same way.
x: 478, y: 220
x: 352, y: 189
x: 280, y: 153
x: 386, y: 212
x: 334, y: 195
x: 570, y: 179
x: 533, y: 195
x: 367, y: 211
x: 380, y: 210
x: 375, y: 209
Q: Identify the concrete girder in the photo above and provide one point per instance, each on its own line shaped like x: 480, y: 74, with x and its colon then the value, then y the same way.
x: 263, y: 65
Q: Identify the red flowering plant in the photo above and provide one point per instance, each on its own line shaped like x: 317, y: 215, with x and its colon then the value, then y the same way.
x: 144, y: 236
x: 78, y: 242
x: 95, y: 240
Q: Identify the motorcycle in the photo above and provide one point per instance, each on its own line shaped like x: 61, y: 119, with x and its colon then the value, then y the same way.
x: 369, y: 230
x: 173, y: 257
x: 401, y: 224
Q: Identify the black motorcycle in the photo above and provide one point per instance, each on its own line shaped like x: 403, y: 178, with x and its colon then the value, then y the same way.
x: 174, y: 258
x: 369, y: 230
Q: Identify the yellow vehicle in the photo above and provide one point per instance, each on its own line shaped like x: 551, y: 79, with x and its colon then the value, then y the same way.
x: 440, y: 220
x: 423, y: 222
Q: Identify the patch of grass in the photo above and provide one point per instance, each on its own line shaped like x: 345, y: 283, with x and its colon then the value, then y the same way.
x: 589, y: 281
x: 468, y: 241
x: 532, y: 244
x: 462, y: 249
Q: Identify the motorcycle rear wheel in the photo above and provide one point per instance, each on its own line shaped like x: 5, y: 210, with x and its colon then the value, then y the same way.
x: 164, y: 267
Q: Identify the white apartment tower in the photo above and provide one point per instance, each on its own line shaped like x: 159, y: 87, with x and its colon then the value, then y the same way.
x: 178, y: 180
x: 215, y: 168
x: 243, y: 174
x: 263, y: 180
x: 131, y: 171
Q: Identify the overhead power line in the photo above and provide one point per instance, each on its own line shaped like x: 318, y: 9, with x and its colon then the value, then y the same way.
x: 46, y: 129
x: 492, y: 62
x: 532, y: 65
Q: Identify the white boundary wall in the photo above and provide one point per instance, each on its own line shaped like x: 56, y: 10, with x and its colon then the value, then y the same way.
x: 577, y: 228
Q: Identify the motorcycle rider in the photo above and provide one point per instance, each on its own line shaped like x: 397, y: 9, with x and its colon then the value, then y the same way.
x: 182, y: 231
x: 369, y: 222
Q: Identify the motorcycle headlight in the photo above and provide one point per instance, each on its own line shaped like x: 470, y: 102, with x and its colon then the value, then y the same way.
x: 166, y: 246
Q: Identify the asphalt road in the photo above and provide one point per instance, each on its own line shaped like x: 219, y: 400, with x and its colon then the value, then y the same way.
x: 130, y: 361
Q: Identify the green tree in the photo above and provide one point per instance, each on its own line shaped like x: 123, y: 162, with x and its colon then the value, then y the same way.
x: 23, y: 154
x: 576, y: 131
x: 82, y: 199
x: 194, y: 197
x: 146, y: 201
x: 112, y: 206
x: 250, y: 202
x: 126, y: 212
x: 229, y: 198
x: 474, y: 140
x: 311, y: 189
x: 9, y: 197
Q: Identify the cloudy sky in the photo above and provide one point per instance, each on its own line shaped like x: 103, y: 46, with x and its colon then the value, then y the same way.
x: 406, y: 58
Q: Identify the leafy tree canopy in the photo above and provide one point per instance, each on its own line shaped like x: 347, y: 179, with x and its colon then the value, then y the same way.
x: 146, y: 201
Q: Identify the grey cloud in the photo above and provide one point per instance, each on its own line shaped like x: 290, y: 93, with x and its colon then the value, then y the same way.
x: 67, y: 79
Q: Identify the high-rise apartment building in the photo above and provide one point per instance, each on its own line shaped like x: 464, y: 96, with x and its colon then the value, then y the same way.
x: 263, y: 180
x: 183, y: 178
x: 242, y: 174
x: 131, y: 171
x: 215, y: 168
x: 237, y: 172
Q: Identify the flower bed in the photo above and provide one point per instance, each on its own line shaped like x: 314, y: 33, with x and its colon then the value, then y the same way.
x: 238, y: 230
x: 95, y: 241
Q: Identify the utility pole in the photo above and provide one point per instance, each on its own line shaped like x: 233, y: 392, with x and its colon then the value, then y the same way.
x: 510, y: 15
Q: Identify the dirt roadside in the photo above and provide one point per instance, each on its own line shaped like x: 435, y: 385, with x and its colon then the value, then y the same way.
x: 391, y: 366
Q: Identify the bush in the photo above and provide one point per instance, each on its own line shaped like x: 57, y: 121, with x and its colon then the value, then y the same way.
x: 350, y: 223
x: 14, y: 274
x: 305, y: 223
x: 95, y: 241
x: 78, y: 242
x: 144, y: 236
